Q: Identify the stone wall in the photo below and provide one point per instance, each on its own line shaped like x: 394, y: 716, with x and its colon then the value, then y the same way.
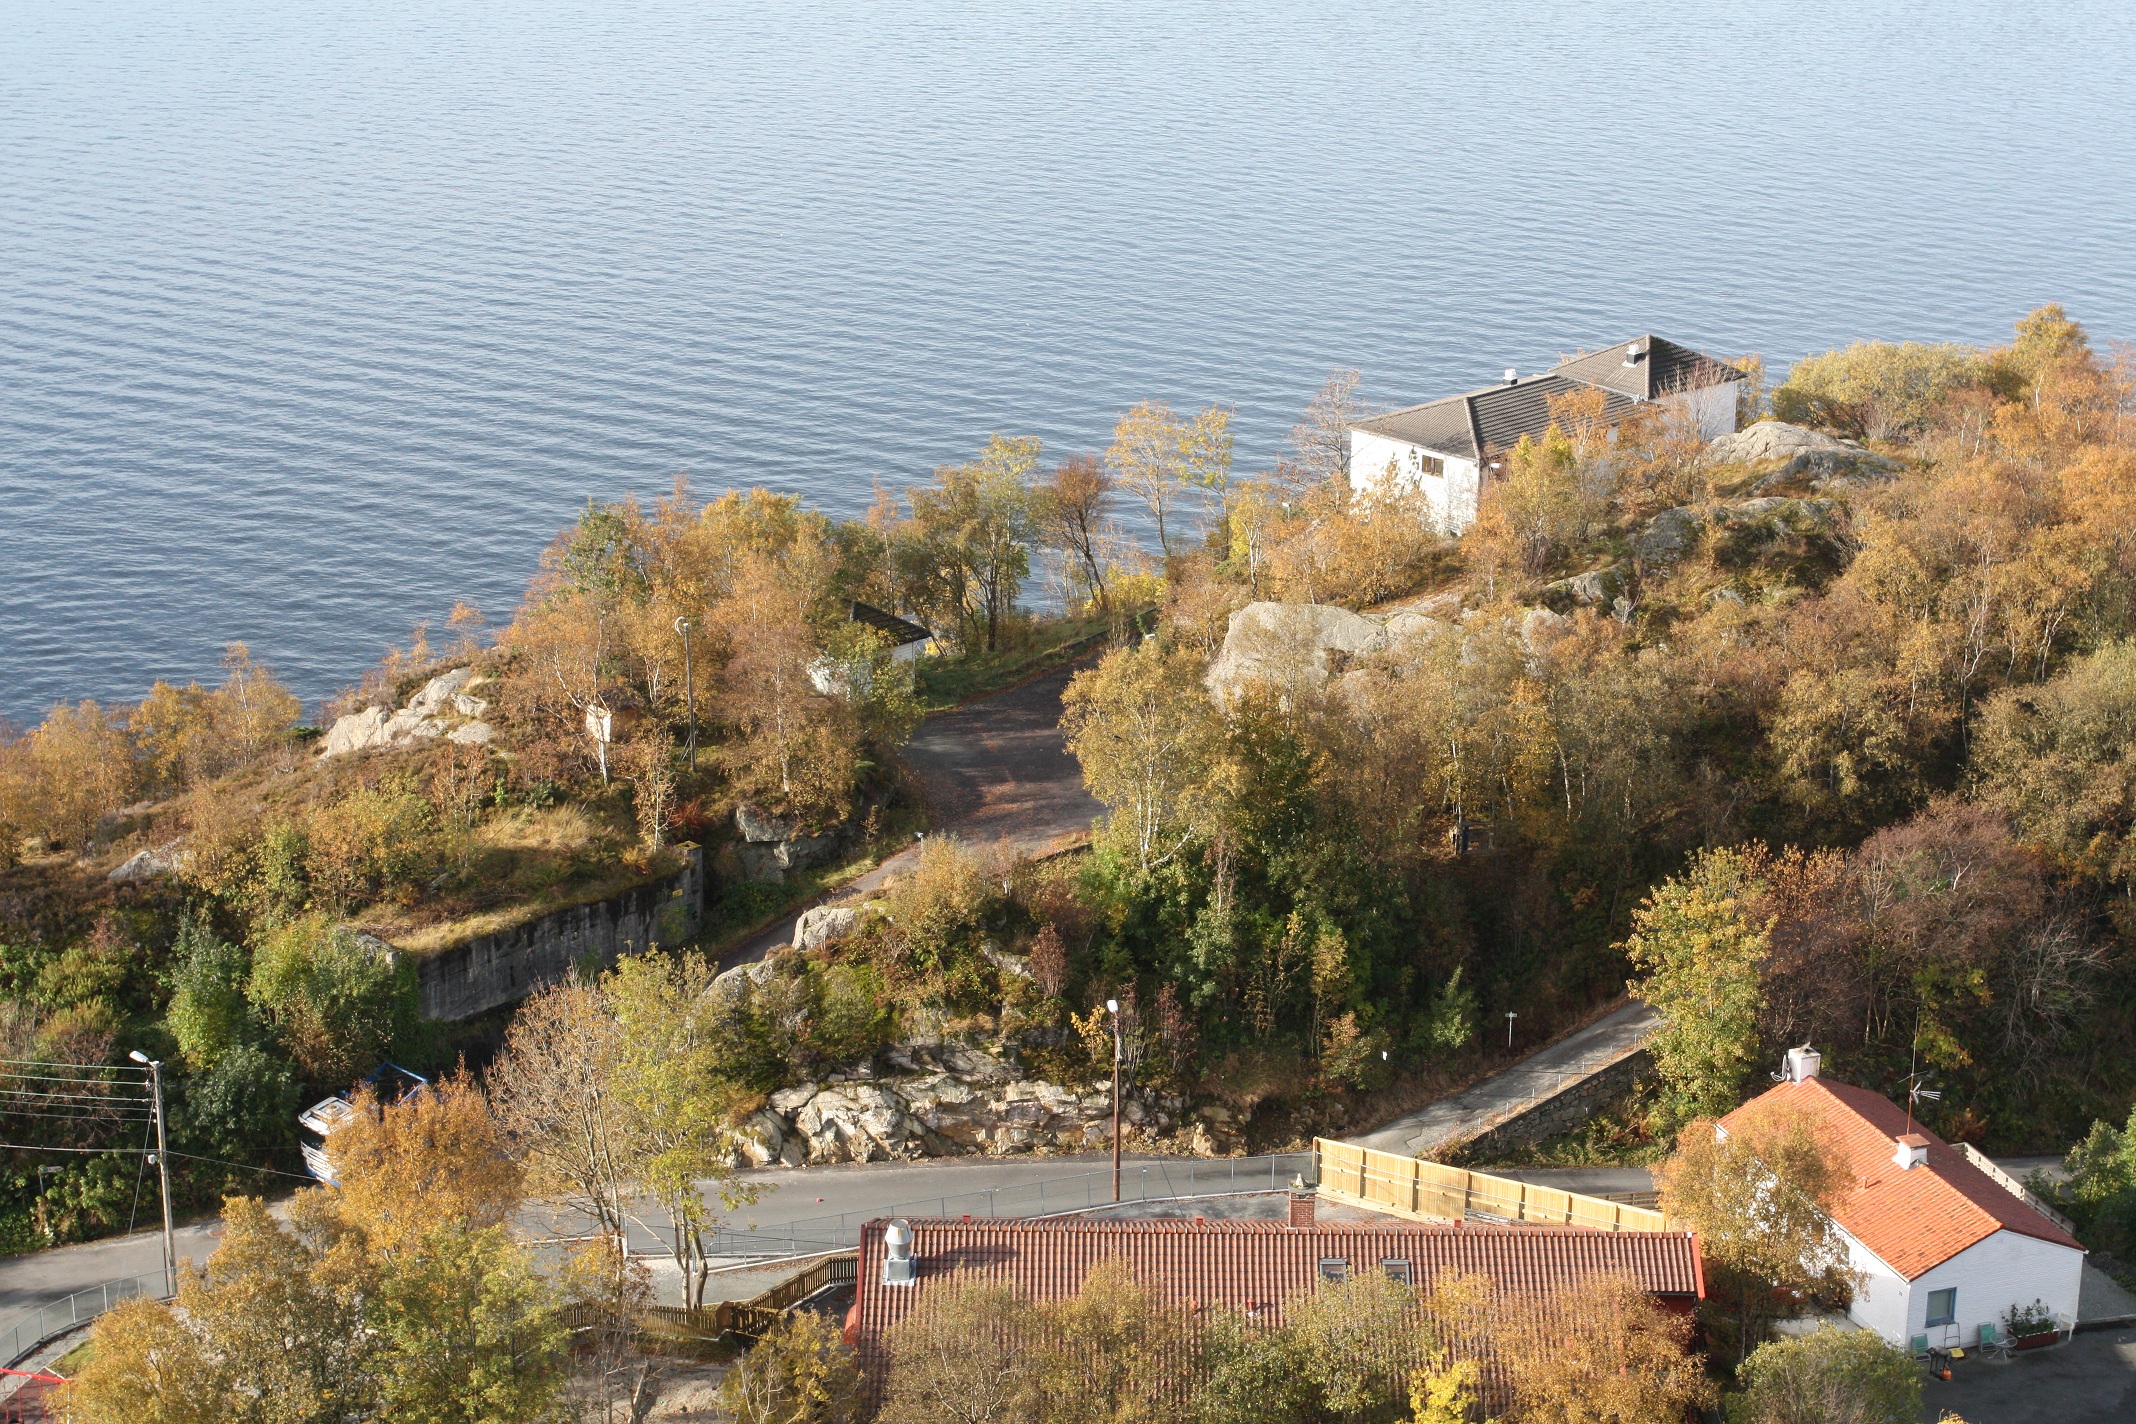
x: 1560, y: 1113
x: 493, y: 970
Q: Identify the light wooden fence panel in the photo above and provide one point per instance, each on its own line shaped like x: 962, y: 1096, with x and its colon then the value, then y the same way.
x: 1432, y: 1191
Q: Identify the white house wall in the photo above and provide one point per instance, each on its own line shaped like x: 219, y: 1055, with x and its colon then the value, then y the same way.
x: 1883, y: 1298
x: 1451, y: 495
x: 1992, y: 1275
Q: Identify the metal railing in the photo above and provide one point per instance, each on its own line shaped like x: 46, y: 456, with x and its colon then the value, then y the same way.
x: 24, y: 1334
x: 1166, y: 1180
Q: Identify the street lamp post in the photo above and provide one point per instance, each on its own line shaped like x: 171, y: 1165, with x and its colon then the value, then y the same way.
x: 1510, y: 1016
x: 689, y: 684
x: 1112, y: 1006
x: 163, y: 1171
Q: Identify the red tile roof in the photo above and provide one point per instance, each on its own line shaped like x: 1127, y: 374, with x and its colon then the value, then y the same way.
x: 1913, y: 1219
x: 1253, y: 1265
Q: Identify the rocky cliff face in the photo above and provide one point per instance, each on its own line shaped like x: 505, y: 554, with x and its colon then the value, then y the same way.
x: 944, y: 1101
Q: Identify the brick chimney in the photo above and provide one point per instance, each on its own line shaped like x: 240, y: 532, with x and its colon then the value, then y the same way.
x: 1301, y: 1205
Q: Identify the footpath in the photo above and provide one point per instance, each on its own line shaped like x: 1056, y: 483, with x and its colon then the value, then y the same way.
x: 1551, y: 1075
x: 995, y: 769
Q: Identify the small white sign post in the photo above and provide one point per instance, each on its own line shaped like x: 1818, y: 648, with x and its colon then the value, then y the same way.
x: 600, y: 725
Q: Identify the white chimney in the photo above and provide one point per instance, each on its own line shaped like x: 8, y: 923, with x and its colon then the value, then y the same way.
x: 897, y: 1253
x: 1801, y: 1064
x: 1911, y: 1152
x: 1512, y: 375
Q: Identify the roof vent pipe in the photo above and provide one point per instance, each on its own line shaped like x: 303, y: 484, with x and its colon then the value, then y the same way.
x: 898, y: 1265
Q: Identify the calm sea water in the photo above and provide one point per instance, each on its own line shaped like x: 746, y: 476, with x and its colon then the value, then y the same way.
x: 316, y: 317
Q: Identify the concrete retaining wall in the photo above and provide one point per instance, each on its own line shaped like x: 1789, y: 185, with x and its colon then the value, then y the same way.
x: 1560, y: 1113
x: 493, y: 970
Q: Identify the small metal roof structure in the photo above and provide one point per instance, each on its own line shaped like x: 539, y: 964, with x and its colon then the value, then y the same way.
x: 902, y: 631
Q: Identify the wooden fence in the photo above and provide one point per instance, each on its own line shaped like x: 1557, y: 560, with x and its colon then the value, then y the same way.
x: 1428, y: 1191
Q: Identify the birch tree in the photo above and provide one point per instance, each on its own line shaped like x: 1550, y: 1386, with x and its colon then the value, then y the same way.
x: 1163, y: 458
x: 1143, y: 729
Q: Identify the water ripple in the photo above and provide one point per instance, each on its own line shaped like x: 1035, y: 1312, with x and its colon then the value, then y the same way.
x: 315, y: 319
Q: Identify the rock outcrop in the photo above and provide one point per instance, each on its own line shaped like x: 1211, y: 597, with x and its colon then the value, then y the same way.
x: 772, y: 844
x: 939, y: 1101
x: 1292, y: 647
x: 440, y: 708
x: 824, y: 924
x: 1743, y: 529
x: 1597, y: 588
x: 149, y: 864
x: 1800, y: 453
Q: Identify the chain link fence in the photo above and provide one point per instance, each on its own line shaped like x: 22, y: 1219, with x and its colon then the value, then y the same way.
x: 22, y: 1336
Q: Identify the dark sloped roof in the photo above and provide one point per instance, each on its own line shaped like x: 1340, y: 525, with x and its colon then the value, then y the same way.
x: 1646, y: 367
x: 1252, y: 1266
x: 1494, y: 418
x: 901, y: 630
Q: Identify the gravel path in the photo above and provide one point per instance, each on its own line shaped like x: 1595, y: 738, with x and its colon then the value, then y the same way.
x: 995, y: 769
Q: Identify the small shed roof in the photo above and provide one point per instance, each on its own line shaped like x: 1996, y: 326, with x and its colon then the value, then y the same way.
x: 901, y: 630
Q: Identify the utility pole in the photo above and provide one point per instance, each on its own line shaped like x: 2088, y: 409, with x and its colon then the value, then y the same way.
x: 163, y: 1171
x: 1112, y: 1006
x: 689, y: 685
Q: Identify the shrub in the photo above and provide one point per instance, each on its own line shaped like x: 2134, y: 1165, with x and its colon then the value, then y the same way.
x: 334, y: 1002
x: 208, y: 1014
x: 242, y: 1109
x: 1831, y: 1377
x: 371, y: 842
x: 852, y: 1018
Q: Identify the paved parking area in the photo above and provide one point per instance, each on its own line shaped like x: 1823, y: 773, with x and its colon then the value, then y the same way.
x: 2090, y: 1380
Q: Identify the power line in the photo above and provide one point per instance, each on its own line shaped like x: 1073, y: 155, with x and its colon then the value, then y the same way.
x: 246, y: 1166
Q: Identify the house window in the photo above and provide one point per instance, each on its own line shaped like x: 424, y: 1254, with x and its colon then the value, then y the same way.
x: 1334, y: 1269
x: 1943, y: 1307
x: 1423, y: 464
x: 1396, y: 1270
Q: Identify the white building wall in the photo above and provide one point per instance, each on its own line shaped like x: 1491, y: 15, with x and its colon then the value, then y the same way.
x: 1450, y: 495
x: 1990, y: 1276
x: 1711, y: 408
x: 1884, y: 1296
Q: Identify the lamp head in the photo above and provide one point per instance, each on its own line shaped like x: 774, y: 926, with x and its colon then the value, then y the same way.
x: 137, y: 1056
x: 1112, y: 1006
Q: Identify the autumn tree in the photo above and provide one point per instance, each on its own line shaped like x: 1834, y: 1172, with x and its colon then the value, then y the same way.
x: 1699, y: 941
x: 1320, y: 441
x: 973, y: 529
x: 1144, y: 733
x: 437, y: 1155
x: 1760, y: 1195
x: 1876, y: 390
x: 1162, y: 458
x: 793, y: 745
x: 799, y: 1372
x: 1069, y: 510
x: 551, y: 1090
x: 965, y: 1356
x: 673, y: 1094
x: 1612, y: 1355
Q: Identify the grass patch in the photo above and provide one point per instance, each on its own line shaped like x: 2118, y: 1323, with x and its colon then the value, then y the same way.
x: 517, y: 867
x: 946, y: 682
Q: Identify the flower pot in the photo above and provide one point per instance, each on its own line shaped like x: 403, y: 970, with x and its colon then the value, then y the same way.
x: 2034, y: 1342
